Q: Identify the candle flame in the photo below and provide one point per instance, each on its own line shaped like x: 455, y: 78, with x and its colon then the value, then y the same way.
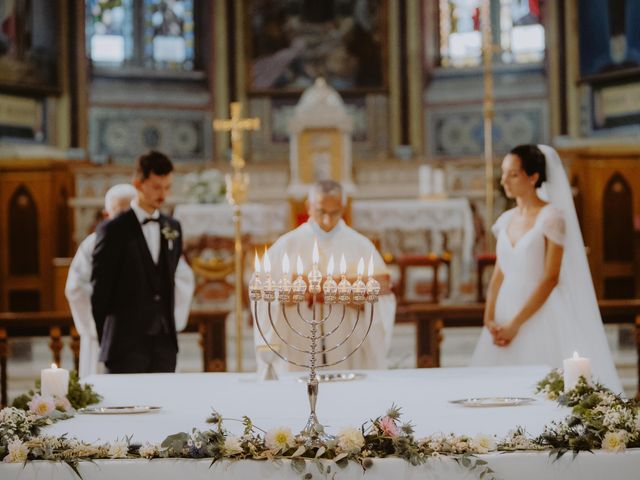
x: 343, y: 265
x: 576, y: 356
x: 330, y: 266
x: 360, y: 266
x: 54, y: 366
x: 285, y: 264
x: 315, y: 256
x: 299, y: 266
x: 370, y: 269
x: 267, y: 263
x: 256, y: 263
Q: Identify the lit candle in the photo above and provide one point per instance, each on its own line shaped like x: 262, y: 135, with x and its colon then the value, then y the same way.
x: 255, y: 285
x: 54, y: 381
x: 299, y: 285
x: 315, y: 277
x: 373, y: 286
x: 330, y: 287
x: 359, y: 288
x: 344, y: 287
x: 268, y: 287
x: 574, y: 368
x: 284, y: 286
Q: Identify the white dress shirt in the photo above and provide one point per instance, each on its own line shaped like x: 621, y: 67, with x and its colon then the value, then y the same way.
x: 151, y: 230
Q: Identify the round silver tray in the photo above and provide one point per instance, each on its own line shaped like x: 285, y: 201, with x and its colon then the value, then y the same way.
x: 118, y: 410
x: 336, y: 377
x: 493, y: 401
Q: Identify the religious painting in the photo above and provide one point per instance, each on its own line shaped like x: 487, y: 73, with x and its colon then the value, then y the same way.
x: 29, y: 45
x: 609, y: 36
x: 293, y: 42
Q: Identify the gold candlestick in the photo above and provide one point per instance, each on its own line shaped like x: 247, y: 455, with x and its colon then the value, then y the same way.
x: 237, y: 184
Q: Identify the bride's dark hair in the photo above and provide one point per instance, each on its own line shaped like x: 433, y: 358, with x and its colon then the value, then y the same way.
x: 532, y: 161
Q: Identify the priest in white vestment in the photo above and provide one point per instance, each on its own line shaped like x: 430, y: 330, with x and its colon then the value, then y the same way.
x: 325, y: 225
x: 78, y: 288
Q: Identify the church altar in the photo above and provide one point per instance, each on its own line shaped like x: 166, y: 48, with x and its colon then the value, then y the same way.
x: 264, y: 222
x: 423, y: 395
x: 450, y: 217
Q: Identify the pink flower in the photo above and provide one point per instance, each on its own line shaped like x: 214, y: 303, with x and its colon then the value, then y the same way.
x: 388, y: 426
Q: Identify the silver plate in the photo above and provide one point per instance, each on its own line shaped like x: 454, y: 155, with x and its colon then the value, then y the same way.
x: 118, y: 410
x: 336, y: 377
x: 493, y: 401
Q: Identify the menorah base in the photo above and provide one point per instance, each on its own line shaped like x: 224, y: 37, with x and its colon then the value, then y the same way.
x: 313, y: 434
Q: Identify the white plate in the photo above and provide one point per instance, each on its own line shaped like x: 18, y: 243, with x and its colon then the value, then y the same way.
x: 117, y: 410
x: 493, y: 401
x: 336, y: 377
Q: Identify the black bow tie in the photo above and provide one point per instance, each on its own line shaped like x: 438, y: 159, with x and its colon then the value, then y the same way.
x: 150, y: 219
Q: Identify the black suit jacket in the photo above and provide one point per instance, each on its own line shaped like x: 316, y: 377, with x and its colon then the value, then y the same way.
x: 123, y: 296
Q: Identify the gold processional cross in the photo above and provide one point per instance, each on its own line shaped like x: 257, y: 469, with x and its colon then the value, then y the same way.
x: 237, y: 184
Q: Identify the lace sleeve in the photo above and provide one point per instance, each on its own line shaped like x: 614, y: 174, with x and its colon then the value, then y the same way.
x: 553, y: 226
x: 501, y: 223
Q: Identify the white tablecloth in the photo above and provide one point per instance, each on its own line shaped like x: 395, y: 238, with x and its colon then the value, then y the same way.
x: 264, y: 222
x: 187, y: 399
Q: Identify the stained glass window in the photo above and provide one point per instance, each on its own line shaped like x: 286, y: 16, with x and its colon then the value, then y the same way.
x: 153, y: 34
x: 169, y: 34
x: 521, y: 33
x: 109, y: 31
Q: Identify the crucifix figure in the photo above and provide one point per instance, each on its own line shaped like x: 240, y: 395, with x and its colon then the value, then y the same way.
x: 236, y: 194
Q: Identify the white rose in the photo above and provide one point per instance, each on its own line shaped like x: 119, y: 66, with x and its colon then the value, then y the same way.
x: 615, y: 441
x: 232, y: 445
x: 18, y: 452
x: 279, y: 439
x: 483, y: 443
x: 148, y: 450
x: 118, y: 450
x: 350, y: 440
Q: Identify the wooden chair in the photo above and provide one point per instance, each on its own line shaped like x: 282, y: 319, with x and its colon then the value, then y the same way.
x: 431, y: 261
x: 483, y: 261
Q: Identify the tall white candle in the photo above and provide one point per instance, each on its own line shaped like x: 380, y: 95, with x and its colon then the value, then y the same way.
x: 424, y: 180
x: 438, y: 181
x: 574, y: 368
x: 54, y: 381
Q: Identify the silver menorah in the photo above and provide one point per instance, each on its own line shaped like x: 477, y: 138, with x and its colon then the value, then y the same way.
x: 287, y: 293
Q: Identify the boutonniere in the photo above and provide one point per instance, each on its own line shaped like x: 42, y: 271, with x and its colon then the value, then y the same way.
x: 169, y: 234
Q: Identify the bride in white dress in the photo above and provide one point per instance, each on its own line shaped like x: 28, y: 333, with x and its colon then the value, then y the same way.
x: 541, y: 305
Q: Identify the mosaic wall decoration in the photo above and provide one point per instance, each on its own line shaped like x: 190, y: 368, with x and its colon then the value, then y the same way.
x: 121, y: 135
x: 459, y: 132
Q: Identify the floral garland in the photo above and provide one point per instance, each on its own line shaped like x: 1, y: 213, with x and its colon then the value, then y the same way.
x: 599, y: 419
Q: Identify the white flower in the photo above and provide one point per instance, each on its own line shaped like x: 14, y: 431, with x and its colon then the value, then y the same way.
x: 350, y: 440
x: 62, y: 403
x: 232, y: 445
x: 41, y: 405
x: 483, y: 443
x: 18, y: 452
x: 279, y: 439
x: 148, y: 450
x: 615, y: 441
x: 118, y: 449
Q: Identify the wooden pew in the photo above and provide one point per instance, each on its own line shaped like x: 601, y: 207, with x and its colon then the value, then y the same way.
x: 210, y: 324
x: 430, y: 319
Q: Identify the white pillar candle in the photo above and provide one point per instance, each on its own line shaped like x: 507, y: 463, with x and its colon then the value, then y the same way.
x: 54, y: 381
x: 424, y: 180
x: 574, y: 368
x: 438, y: 181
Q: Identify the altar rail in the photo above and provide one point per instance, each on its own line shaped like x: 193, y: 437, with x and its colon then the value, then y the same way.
x: 210, y: 324
x: 430, y: 319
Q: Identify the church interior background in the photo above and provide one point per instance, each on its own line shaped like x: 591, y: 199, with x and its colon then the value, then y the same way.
x: 387, y: 96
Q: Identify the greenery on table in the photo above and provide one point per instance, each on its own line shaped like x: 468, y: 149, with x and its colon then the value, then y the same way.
x: 80, y: 395
x: 599, y: 419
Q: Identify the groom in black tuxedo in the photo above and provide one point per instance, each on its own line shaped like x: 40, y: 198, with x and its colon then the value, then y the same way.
x: 134, y: 265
